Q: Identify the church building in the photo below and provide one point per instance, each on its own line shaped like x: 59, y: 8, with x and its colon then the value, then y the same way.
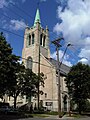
x: 35, y: 49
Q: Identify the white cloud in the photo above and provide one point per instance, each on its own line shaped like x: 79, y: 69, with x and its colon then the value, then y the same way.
x: 17, y: 25
x: 76, y: 25
x: 5, y: 3
x: 84, y: 61
x: 43, y: 0
x: 23, y: 1
x: 64, y: 60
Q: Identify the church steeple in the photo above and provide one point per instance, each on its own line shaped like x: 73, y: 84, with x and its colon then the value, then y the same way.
x: 36, y: 37
x: 37, y: 18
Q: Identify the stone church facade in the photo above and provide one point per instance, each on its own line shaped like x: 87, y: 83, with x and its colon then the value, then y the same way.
x: 36, y: 42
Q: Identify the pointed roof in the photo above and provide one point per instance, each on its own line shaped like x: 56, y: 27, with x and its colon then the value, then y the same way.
x: 37, y: 18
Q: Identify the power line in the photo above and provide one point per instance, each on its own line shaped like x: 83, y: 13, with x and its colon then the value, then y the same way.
x: 20, y: 15
x: 14, y: 33
x: 26, y: 34
x: 11, y: 18
x: 37, y: 62
x: 14, y: 12
x: 24, y: 13
x: 17, y: 13
x: 74, y: 54
x: 21, y: 10
x: 21, y: 37
x: 11, y: 32
x: 43, y: 65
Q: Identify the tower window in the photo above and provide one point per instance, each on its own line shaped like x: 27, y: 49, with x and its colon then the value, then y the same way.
x: 44, y: 41
x: 29, y: 63
x: 32, y: 38
x: 29, y: 41
x: 41, y: 39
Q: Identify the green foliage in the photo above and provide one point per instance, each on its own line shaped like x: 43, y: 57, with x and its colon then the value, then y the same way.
x: 16, y: 88
x: 15, y: 79
x: 31, y: 83
x: 86, y: 106
x: 25, y: 84
x: 52, y: 112
x: 8, y: 63
x: 78, y: 83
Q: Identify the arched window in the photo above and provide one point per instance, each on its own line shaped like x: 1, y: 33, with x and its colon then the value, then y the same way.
x: 33, y: 38
x: 44, y: 41
x: 29, y: 40
x: 29, y: 63
x: 41, y: 39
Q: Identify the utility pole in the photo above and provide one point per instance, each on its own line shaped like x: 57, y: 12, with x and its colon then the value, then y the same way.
x: 56, y: 43
x: 38, y: 73
x: 38, y: 60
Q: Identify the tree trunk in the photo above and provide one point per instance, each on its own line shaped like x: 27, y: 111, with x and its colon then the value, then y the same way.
x: 29, y: 100
x: 15, y: 99
x: 79, y: 107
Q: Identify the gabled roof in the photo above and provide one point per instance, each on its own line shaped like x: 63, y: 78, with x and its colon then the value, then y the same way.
x: 64, y: 69
x: 37, y: 18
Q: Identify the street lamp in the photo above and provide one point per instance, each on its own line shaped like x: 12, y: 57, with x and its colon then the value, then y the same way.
x: 56, y: 43
x: 65, y: 52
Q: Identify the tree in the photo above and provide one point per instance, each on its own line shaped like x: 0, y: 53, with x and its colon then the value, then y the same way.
x: 78, y: 83
x: 25, y: 84
x: 8, y: 63
x: 30, y: 85
x: 18, y: 81
x: 14, y: 78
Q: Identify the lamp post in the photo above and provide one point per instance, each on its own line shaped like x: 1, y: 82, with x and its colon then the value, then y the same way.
x: 64, y: 53
x: 38, y: 75
x: 56, y: 43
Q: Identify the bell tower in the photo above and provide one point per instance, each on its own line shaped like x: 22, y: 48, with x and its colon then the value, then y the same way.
x: 35, y: 37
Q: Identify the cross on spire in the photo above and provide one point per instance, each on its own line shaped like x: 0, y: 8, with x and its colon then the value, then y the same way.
x: 38, y: 4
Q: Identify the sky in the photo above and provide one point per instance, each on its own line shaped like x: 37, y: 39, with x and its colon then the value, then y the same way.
x: 70, y: 18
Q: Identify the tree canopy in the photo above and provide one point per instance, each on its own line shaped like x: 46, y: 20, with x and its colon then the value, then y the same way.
x: 78, y: 83
x: 15, y: 79
x: 8, y: 63
x: 26, y: 84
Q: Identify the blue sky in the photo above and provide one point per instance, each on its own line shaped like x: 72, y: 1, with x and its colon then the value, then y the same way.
x: 71, y: 17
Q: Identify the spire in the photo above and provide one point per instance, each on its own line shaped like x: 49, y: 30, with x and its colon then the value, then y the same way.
x: 37, y: 18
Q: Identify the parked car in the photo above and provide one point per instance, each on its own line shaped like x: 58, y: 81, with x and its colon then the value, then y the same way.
x: 13, y: 111
x: 4, y: 109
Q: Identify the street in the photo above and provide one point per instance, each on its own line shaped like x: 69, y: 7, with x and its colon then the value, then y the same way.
x: 86, y: 118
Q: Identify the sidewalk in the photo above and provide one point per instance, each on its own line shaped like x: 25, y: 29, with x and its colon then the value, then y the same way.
x: 67, y: 117
x: 57, y: 118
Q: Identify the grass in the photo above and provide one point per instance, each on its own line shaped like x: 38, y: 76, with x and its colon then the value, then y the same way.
x: 40, y: 115
x: 46, y: 114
